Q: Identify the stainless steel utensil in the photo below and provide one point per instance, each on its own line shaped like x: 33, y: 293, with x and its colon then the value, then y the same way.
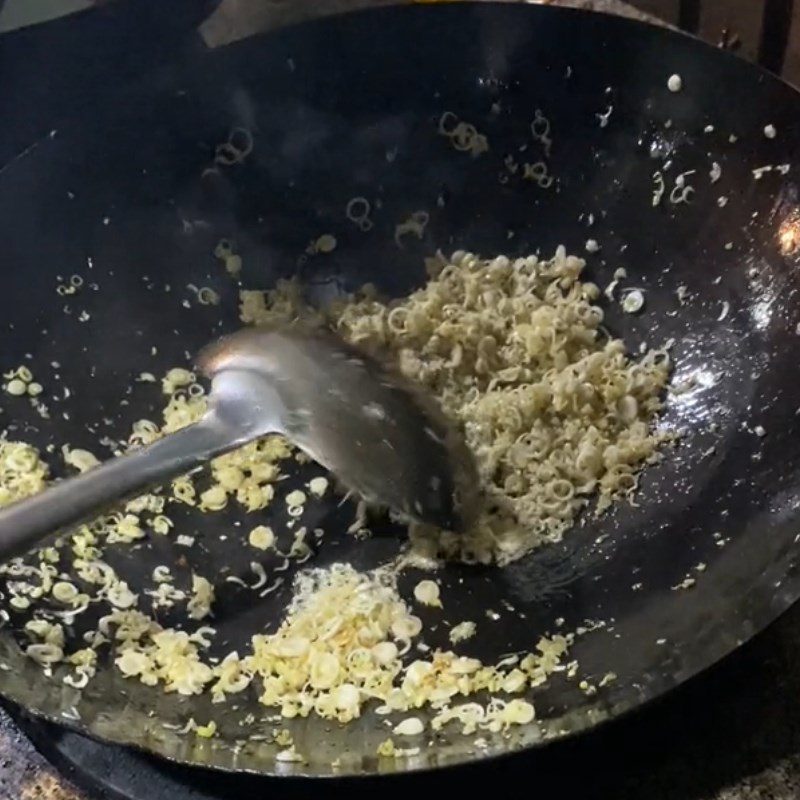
x: 349, y: 412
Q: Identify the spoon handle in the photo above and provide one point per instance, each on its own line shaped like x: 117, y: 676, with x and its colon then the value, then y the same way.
x: 73, y: 500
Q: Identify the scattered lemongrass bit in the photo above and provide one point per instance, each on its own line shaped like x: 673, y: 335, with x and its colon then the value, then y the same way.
x: 65, y: 592
x: 232, y: 261
x: 605, y: 116
x: 161, y: 574
x: 82, y: 460
x: 235, y: 149
x: 283, y: 738
x: 290, y: 755
x: 318, y: 486
x: 539, y: 173
x: 199, y: 606
x: 411, y: 726
x: 632, y: 301
x: 261, y: 537
x: 463, y: 136
x: 206, y: 296
x: 16, y: 387
x: 213, y: 499
x: 161, y: 524
x: 619, y: 274
x: 386, y: 749
x: 357, y: 211
x: 463, y: 631
x: 759, y: 172
x: 177, y: 378
x: 540, y: 130
x: 414, y: 225
x: 607, y: 679
x: 659, y: 188
x: 682, y: 192
x: 427, y: 592
x: 261, y: 575
x: 22, y: 471
x: 206, y: 731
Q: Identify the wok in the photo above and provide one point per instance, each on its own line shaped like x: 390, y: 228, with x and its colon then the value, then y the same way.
x: 349, y: 106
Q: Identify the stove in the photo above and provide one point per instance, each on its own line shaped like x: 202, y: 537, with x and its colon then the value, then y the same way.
x: 731, y: 734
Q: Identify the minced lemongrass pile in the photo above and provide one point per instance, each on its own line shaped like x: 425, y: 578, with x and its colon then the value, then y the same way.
x: 553, y: 407
x: 555, y: 411
x: 343, y: 644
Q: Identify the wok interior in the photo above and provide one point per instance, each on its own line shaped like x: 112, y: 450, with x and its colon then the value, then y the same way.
x: 338, y: 109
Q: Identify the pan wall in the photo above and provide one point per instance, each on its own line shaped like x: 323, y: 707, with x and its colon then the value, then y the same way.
x: 767, y: 31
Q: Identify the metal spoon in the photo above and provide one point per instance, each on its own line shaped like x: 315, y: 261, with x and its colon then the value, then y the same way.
x: 349, y: 412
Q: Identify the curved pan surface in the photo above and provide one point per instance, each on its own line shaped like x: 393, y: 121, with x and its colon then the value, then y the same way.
x: 349, y: 106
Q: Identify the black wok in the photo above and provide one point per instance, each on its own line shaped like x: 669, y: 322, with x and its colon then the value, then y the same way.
x: 347, y: 107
